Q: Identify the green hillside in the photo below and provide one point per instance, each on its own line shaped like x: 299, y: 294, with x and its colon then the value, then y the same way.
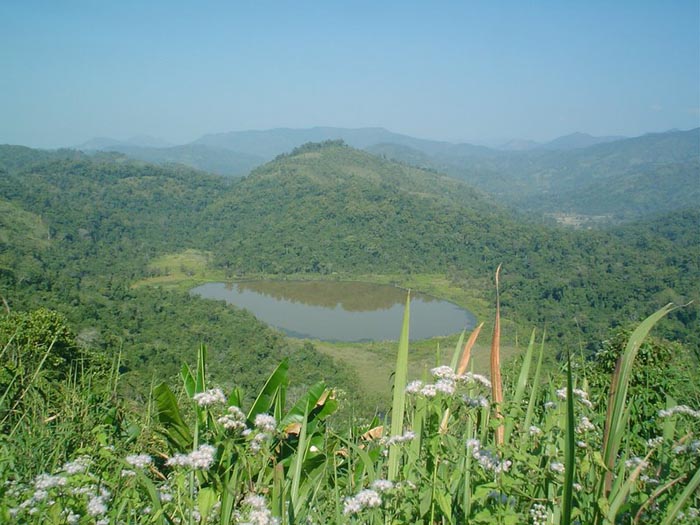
x: 322, y: 211
x: 624, y: 179
x: 332, y: 209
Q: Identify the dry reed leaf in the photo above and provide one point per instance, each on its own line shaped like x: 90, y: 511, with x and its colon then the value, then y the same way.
x: 373, y: 433
x: 466, y: 354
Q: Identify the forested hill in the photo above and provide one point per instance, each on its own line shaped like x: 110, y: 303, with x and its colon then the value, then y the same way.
x: 330, y: 208
x: 94, y: 224
x: 625, y: 180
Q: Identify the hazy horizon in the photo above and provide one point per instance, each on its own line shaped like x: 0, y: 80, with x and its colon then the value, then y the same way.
x: 476, y: 73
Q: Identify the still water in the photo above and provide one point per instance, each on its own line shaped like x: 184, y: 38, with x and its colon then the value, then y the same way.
x: 340, y: 311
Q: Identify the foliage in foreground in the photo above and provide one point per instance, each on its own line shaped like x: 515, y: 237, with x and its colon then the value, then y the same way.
x: 461, y: 449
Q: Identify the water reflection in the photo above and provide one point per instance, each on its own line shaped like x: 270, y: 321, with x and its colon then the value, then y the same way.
x: 340, y: 311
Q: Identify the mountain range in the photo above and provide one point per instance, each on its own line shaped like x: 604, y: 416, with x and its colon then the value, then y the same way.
x: 615, y: 179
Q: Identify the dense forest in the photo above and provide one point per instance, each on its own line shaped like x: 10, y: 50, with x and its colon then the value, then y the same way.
x: 80, y: 230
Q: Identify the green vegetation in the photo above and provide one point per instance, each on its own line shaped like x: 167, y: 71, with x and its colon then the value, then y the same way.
x: 96, y: 258
x: 81, y: 231
x: 622, y: 180
x: 203, y: 456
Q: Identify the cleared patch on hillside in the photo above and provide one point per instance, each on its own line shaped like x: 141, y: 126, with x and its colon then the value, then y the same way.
x: 180, y: 270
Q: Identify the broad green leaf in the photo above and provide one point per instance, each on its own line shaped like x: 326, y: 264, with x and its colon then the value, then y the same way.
x: 176, y: 430
x: 266, y: 398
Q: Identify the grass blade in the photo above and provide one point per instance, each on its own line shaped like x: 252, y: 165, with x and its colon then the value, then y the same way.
x: 569, y: 446
x: 496, y: 381
x: 534, y: 390
x: 455, y: 354
x: 520, y: 387
x: 615, y: 420
x: 689, y: 490
x: 400, y: 378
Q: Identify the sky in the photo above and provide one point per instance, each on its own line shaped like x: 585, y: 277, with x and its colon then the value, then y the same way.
x: 450, y: 70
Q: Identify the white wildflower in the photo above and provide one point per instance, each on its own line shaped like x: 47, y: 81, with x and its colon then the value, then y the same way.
x: 557, y: 467
x: 127, y: 473
x: 265, y: 423
x: 46, y: 481
x: 655, y: 442
x: 487, y: 459
x: 535, y: 431
x: 445, y: 386
x: 258, y: 513
x: 235, y: 419
x: 428, y: 391
x: 382, y: 485
x: 475, y: 378
x: 581, y: 395
x: 96, y: 506
x: 584, y: 425
x: 414, y: 387
x: 139, y: 461
x: 202, y: 458
x: 256, y: 444
x: 680, y: 409
x: 395, y: 440
x: 476, y: 402
x: 77, y: 466
x: 538, y: 514
x: 209, y: 397
x: 549, y: 405
x: 443, y: 372
x: 364, y: 499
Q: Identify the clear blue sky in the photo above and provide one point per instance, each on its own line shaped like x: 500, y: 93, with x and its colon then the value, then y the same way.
x: 461, y: 70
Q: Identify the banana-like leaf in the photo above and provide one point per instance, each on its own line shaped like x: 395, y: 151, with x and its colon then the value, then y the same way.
x: 274, y: 386
x: 176, y: 430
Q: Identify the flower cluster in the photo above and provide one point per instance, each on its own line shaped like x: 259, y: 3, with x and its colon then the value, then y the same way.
x: 584, y: 425
x: 209, y: 397
x: 487, y: 459
x: 77, y: 466
x: 557, y: 467
x: 258, y: 512
x: 395, y: 440
x: 382, y: 485
x: 446, y: 384
x: 364, y: 499
x: 265, y: 423
x: 201, y: 459
x: 538, y: 513
x: 234, y: 420
x: 680, y: 409
x: 139, y: 461
x: 581, y: 395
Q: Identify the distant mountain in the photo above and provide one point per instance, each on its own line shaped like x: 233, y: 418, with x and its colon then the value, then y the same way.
x: 214, y: 160
x: 106, y: 143
x: 519, y: 145
x: 577, y: 141
x: 270, y: 143
x: 654, y: 173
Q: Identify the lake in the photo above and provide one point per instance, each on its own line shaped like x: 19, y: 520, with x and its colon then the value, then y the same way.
x: 340, y: 311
